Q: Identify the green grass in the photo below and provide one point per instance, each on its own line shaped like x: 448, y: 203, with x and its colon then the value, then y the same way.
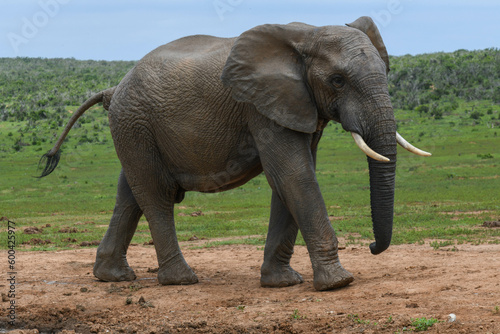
x: 356, y: 319
x: 423, y: 324
x: 296, y: 315
x: 442, y: 199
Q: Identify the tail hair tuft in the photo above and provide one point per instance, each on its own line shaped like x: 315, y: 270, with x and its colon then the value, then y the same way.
x: 50, y: 162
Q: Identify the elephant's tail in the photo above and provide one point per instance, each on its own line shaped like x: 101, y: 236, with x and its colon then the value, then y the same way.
x: 51, y: 158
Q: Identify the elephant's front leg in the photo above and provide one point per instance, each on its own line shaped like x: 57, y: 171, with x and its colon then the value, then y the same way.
x: 276, y: 270
x: 288, y: 162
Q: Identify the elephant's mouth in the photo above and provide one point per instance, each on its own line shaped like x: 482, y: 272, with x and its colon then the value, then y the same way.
x: 333, y: 111
x: 374, y: 155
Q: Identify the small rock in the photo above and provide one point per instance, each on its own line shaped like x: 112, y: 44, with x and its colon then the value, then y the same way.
x: 95, y: 328
x: 68, y: 230
x: 197, y: 214
x: 91, y: 243
x: 70, y: 240
x: 492, y: 224
x: 32, y: 230
x: 84, y: 290
x: 37, y: 241
x: 452, y: 317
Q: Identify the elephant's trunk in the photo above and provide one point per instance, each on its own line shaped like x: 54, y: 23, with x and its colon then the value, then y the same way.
x: 382, y: 177
x: 382, y: 182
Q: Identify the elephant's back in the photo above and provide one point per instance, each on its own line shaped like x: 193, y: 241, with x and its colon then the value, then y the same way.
x: 179, y: 84
x: 189, y: 60
x: 192, y: 47
x: 177, y: 74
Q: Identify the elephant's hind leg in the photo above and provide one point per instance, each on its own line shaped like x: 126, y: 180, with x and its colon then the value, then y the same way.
x: 153, y: 186
x: 173, y: 268
x: 111, y: 260
x: 156, y: 191
x: 276, y: 270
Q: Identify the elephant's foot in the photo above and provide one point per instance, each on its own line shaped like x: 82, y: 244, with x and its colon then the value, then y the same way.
x: 279, y: 276
x: 331, y: 276
x: 112, y: 270
x: 180, y: 274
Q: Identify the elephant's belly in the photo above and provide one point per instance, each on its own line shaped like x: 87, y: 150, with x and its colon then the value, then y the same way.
x: 207, y: 152
x: 234, y: 175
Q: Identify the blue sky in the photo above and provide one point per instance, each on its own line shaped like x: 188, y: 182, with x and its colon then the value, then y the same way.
x: 127, y: 29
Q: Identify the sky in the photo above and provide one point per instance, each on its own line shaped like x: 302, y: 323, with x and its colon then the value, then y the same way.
x: 129, y: 29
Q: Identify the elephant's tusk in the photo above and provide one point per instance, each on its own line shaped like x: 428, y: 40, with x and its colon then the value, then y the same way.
x: 401, y: 141
x: 368, y: 151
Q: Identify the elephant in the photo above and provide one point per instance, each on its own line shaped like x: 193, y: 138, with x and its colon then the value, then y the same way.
x: 208, y: 114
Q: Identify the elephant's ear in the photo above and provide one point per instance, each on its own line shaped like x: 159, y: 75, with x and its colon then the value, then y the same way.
x: 266, y: 68
x: 366, y: 25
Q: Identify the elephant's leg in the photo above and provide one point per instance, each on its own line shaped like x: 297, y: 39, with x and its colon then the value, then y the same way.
x: 288, y: 163
x: 111, y: 260
x: 156, y: 192
x: 173, y: 267
x: 300, y: 191
x: 276, y: 270
x: 153, y: 187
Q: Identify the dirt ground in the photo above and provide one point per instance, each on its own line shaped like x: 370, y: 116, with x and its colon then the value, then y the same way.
x: 57, y: 293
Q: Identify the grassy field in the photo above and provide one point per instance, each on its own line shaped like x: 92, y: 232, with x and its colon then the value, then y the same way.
x: 441, y: 200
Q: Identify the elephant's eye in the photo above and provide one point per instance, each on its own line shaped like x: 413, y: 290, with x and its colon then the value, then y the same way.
x: 337, y: 81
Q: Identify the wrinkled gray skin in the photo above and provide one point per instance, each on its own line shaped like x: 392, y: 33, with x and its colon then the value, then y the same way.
x: 208, y: 114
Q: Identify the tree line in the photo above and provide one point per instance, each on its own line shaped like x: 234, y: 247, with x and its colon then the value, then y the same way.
x: 37, y: 88
x: 32, y: 88
x: 424, y: 81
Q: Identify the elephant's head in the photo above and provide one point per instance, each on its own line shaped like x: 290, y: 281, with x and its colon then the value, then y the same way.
x: 298, y: 74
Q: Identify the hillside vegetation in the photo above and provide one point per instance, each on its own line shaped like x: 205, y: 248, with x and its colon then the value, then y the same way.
x: 439, y: 79
x: 32, y: 88
x: 445, y: 103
